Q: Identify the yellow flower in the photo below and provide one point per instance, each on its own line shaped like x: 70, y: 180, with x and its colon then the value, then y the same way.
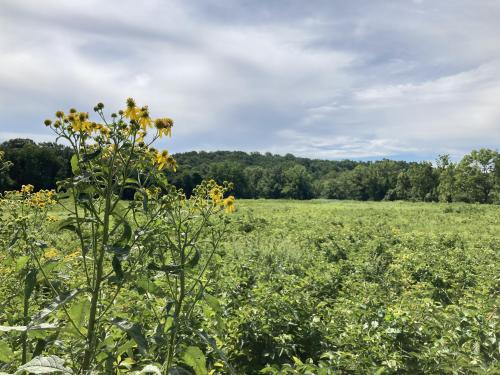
x: 72, y: 255
x: 164, y: 159
x: 27, y: 188
x: 229, y: 204
x: 161, y: 159
x: 216, y: 195
x: 144, y: 119
x: 164, y: 126
x: 172, y: 163
x: 50, y: 253
x: 132, y: 112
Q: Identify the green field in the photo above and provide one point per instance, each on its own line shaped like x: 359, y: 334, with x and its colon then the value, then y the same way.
x: 333, y: 287
x: 408, y: 287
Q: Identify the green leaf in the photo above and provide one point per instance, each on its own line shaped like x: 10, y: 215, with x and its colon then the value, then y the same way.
x: 127, y: 230
x: 134, y: 330
x: 146, y: 285
x: 194, y: 357
x: 58, y: 302
x: 211, y: 342
x: 30, y: 282
x: 195, y: 259
x: 21, y: 262
x: 6, y: 354
x: 74, y: 164
x: 169, y: 268
x: 212, y: 302
x: 117, y: 267
x: 91, y: 155
x: 78, y: 313
x: 45, y: 365
x: 48, y: 268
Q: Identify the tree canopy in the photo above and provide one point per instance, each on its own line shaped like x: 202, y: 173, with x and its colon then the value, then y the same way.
x: 475, y: 178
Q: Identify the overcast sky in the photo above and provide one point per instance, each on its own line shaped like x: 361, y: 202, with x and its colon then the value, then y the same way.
x: 329, y: 79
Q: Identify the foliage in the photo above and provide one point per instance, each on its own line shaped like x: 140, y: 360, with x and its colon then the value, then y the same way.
x: 339, y: 288
x: 78, y: 272
x: 476, y: 178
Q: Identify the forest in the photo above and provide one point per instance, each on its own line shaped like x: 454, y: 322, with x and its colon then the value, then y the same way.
x: 473, y: 179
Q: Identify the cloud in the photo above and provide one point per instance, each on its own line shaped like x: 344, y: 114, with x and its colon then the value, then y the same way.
x: 332, y: 79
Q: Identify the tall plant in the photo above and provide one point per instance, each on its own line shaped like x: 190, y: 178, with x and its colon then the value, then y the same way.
x: 159, y: 232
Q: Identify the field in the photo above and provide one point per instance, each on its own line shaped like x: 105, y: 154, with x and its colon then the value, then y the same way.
x: 405, y: 287
x: 339, y: 287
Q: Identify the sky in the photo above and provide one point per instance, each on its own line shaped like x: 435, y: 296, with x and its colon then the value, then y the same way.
x: 331, y: 79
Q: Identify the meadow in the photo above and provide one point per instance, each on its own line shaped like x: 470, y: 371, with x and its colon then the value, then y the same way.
x: 341, y: 287
x: 362, y: 287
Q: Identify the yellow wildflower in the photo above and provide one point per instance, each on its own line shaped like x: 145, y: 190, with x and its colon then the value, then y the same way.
x: 50, y: 253
x: 229, y: 204
x: 27, y: 189
x: 164, y: 126
x: 161, y: 159
x: 216, y: 195
x: 144, y: 119
x: 72, y: 255
x: 172, y: 163
x: 132, y: 112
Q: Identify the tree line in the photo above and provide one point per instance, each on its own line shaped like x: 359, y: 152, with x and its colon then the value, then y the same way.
x: 475, y: 178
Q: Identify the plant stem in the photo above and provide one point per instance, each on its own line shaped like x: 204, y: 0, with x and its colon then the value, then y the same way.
x: 91, y: 334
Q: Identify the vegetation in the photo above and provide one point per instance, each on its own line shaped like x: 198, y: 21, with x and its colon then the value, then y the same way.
x: 476, y: 178
x: 320, y: 287
x: 155, y: 250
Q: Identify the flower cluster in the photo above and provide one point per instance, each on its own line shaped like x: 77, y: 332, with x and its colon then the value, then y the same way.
x: 40, y: 199
x: 78, y: 122
x: 133, y: 123
x: 215, y: 193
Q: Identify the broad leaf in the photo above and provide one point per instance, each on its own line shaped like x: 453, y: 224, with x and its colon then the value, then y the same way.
x: 212, y: 302
x: 45, y: 365
x: 37, y: 327
x: 117, y: 267
x: 194, y: 357
x: 169, y: 268
x: 58, y: 302
x: 134, y: 330
x: 74, y: 164
x: 6, y: 354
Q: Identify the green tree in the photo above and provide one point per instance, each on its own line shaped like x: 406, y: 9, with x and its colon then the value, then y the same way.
x: 297, y: 183
x: 446, y: 180
x: 4, y: 172
x: 477, y: 175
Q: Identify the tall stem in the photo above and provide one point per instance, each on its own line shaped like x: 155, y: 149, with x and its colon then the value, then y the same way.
x: 26, y: 320
x: 177, y: 311
x: 91, y: 335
